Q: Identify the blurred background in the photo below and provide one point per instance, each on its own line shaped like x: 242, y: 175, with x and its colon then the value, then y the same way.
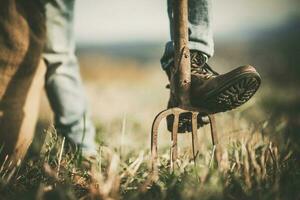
x: 119, y: 44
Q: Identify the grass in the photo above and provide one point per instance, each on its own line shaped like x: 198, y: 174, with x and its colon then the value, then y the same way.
x: 250, y: 167
x: 258, y: 159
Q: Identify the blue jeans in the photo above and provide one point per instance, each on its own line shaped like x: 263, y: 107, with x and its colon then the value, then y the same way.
x: 200, y: 30
x: 63, y: 82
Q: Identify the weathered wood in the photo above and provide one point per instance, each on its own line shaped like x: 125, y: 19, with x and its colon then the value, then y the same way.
x: 182, y: 54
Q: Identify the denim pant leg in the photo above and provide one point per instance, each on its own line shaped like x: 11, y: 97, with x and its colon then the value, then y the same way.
x: 200, y: 29
x: 63, y: 82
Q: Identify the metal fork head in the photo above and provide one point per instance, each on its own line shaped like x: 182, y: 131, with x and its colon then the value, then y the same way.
x: 175, y: 112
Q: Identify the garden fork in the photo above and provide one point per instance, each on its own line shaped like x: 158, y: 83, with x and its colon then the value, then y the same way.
x: 180, y: 87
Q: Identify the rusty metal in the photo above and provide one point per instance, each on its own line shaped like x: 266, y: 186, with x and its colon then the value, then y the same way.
x: 195, y: 141
x: 213, y: 129
x: 154, y: 133
x: 214, y: 139
x: 176, y: 112
x: 180, y: 88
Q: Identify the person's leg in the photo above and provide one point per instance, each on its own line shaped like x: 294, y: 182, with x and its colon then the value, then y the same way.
x: 200, y: 30
x: 63, y: 82
x: 22, y: 36
x: 209, y: 90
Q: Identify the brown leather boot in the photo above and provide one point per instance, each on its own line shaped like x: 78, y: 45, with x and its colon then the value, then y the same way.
x: 214, y: 92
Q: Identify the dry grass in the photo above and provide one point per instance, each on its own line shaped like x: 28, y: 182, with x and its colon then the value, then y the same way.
x: 257, y: 160
x: 250, y: 168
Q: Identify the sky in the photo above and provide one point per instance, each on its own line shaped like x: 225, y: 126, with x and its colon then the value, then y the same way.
x: 113, y: 21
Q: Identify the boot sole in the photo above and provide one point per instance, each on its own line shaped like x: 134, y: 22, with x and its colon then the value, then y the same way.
x: 234, y: 93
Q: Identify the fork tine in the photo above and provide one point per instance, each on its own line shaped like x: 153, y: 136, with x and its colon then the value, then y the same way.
x: 195, y: 144
x: 214, y: 137
x: 154, y: 133
x: 213, y: 129
x: 174, y: 137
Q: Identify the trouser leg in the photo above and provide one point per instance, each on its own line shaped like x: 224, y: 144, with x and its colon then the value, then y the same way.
x: 200, y: 29
x: 63, y: 82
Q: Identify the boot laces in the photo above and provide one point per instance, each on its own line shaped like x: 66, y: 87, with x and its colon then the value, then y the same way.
x: 199, y: 65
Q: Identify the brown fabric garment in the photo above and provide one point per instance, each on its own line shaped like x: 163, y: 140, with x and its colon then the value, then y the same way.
x: 22, y: 35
